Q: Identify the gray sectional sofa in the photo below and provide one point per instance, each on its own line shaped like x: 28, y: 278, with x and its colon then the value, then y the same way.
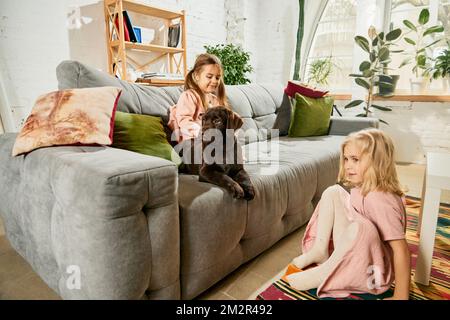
x: 136, y: 229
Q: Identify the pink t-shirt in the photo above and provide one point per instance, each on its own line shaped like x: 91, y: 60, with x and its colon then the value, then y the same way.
x: 386, y: 211
x: 185, y: 117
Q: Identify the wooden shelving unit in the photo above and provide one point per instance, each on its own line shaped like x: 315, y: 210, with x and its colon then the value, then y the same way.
x: 158, y: 82
x: 119, y: 50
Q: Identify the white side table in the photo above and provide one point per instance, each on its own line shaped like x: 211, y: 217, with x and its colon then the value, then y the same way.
x: 437, y: 177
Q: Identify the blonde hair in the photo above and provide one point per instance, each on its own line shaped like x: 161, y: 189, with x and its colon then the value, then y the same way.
x: 203, y: 60
x: 377, y: 150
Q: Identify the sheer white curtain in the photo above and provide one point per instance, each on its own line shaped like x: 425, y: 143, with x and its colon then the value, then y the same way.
x: 333, y: 37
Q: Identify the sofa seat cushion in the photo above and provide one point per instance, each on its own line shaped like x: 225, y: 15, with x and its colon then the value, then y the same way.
x: 219, y: 233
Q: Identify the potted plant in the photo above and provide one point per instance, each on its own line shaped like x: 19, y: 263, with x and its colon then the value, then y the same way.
x: 441, y: 68
x: 377, y: 47
x: 420, y: 44
x: 320, y: 70
x: 385, y: 77
x: 235, y: 62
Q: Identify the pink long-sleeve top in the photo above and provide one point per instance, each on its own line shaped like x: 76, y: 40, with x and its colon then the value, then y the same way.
x: 185, y: 119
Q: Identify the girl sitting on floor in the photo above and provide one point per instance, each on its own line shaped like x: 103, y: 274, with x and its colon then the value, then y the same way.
x: 363, y: 218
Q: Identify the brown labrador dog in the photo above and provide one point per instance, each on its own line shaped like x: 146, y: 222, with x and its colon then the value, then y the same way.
x: 225, y: 168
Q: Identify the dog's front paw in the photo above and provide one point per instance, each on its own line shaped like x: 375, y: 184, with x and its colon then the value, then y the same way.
x: 236, y: 190
x: 249, y: 193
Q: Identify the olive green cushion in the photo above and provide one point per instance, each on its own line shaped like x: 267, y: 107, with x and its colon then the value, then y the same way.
x: 310, y: 116
x: 143, y: 134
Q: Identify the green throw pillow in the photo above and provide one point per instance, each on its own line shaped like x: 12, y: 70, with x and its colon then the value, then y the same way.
x: 310, y: 116
x: 143, y: 134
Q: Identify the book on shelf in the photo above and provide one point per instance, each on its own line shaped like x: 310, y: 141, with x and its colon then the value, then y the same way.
x: 149, y: 74
x: 174, y: 35
x: 127, y: 21
x: 137, y: 32
x: 125, y: 29
x: 160, y: 75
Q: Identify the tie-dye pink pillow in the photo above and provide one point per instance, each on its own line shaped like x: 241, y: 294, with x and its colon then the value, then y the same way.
x: 70, y: 117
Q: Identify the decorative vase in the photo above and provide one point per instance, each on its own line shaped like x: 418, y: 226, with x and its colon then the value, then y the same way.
x: 446, y: 85
x: 419, y: 85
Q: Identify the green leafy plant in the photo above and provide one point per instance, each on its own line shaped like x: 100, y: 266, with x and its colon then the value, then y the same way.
x: 320, y: 70
x: 387, y: 83
x: 441, y: 64
x: 235, y: 62
x: 379, y: 55
x: 419, y: 44
x: 381, y: 41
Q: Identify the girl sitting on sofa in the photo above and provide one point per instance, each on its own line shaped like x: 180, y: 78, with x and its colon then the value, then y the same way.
x: 363, y: 218
x: 204, y: 88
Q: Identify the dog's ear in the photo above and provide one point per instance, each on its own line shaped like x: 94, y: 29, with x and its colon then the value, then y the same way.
x: 234, y: 120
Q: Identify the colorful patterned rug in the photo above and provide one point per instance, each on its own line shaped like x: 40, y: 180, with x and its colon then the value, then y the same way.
x: 439, y: 288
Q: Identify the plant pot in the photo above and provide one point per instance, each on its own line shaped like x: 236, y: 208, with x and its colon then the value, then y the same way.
x: 446, y: 85
x: 419, y: 85
x: 386, y: 90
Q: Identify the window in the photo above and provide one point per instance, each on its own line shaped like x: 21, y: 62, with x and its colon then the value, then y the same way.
x: 410, y: 9
x: 334, y: 38
x: 337, y: 27
x: 444, y: 16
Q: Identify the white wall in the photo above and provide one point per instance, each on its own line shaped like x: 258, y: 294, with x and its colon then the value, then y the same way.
x: 33, y: 40
x: 271, y: 38
x: 36, y: 35
x: 415, y: 127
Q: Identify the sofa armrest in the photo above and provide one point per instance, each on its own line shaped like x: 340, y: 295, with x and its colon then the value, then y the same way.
x: 112, y: 213
x: 342, y: 126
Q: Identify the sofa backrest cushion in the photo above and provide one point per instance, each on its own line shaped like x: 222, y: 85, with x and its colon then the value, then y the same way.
x: 262, y: 106
x: 134, y: 99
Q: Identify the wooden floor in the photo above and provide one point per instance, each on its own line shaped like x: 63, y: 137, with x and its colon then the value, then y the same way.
x: 19, y: 281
